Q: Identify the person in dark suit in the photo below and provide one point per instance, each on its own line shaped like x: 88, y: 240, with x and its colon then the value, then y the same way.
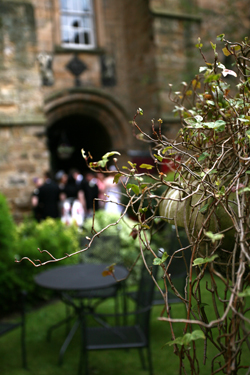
x: 48, y: 198
x: 92, y: 193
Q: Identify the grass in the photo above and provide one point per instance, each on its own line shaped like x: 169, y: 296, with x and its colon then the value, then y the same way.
x: 43, y: 355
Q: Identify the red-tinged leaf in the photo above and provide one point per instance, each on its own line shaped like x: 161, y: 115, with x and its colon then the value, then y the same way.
x: 134, y: 233
x: 106, y: 273
x: 109, y: 270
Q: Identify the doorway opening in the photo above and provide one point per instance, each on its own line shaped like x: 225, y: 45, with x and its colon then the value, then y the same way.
x: 67, y: 136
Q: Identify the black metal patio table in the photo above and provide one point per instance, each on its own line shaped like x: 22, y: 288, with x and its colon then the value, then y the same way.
x: 77, y: 281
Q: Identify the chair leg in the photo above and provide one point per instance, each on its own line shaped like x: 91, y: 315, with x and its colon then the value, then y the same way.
x: 142, y: 358
x: 57, y: 325
x: 150, y: 364
x: 83, y: 352
x: 117, y: 320
x: 23, y: 345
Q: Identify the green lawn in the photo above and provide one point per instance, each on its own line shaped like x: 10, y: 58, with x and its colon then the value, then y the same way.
x: 43, y: 355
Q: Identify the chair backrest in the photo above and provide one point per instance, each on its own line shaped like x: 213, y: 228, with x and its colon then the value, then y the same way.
x: 144, y: 297
x: 177, y: 269
x: 8, y: 326
x: 104, y: 249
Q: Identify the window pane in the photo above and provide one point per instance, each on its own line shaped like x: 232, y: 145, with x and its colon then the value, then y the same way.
x: 64, y: 20
x: 72, y: 37
x: 74, y: 4
x: 77, y: 22
x: 86, y: 22
x: 65, y: 38
x: 64, y: 4
x: 86, y: 5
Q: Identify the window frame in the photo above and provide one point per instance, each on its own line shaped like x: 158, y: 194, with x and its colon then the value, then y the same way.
x: 78, y: 14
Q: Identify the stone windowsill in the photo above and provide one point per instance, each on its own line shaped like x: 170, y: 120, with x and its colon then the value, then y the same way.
x: 93, y: 51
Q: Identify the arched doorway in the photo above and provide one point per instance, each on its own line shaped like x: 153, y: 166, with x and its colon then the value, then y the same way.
x: 88, y: 119
x: 67, y: 136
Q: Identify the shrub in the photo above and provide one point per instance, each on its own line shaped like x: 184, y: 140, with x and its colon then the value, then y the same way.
x: 24, y: 240
x: 7, y: 231
x: 129, y: 247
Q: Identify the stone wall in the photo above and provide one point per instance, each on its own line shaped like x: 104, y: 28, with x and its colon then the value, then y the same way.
x: 23, y: 156
x: 23, y: 153
x: 20, y: 95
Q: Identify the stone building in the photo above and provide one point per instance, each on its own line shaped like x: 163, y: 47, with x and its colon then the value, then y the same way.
x: 73, y: 73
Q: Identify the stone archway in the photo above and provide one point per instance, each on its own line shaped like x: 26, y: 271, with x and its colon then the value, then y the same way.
x: 86, y: 119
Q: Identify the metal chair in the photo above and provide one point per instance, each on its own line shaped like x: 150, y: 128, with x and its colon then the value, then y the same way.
x: 177, y: 270
x: 132, y: 336
x: 8, y: 326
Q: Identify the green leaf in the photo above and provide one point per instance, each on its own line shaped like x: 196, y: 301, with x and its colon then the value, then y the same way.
x: 243, y: 119
x: 214, y: 237
x: 203, y: 156
x: 158, y: 157
x: 200, y: 45
x: 213, y: 46
x: 220, y: 37
x: 245, y: 293
x: 222, y: 190
x: 133, y: 165
x: 213, y: 171
x: 185, y: 340
x: 204, y: 136
x: 140, y: 111
x: 108, y: 154
x: 143, y: 210
x: 159, y: 261
x: 165, y: 149
x: 226, y: 52
x: 204, y: 208
x: 199, y: 261
x: 191, y: 121
x: 197, y: 334
x: 134, y: 187
x: 210, y: 102
x: 212, y: 77
x: 116, y: 178
x: 100, y: 163
x: 218, y: 125
x: 244, y: 190
x: 146, y: 166
x: 164, y: 256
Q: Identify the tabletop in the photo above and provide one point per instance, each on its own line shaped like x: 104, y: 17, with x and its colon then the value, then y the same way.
x: 82, y: 276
